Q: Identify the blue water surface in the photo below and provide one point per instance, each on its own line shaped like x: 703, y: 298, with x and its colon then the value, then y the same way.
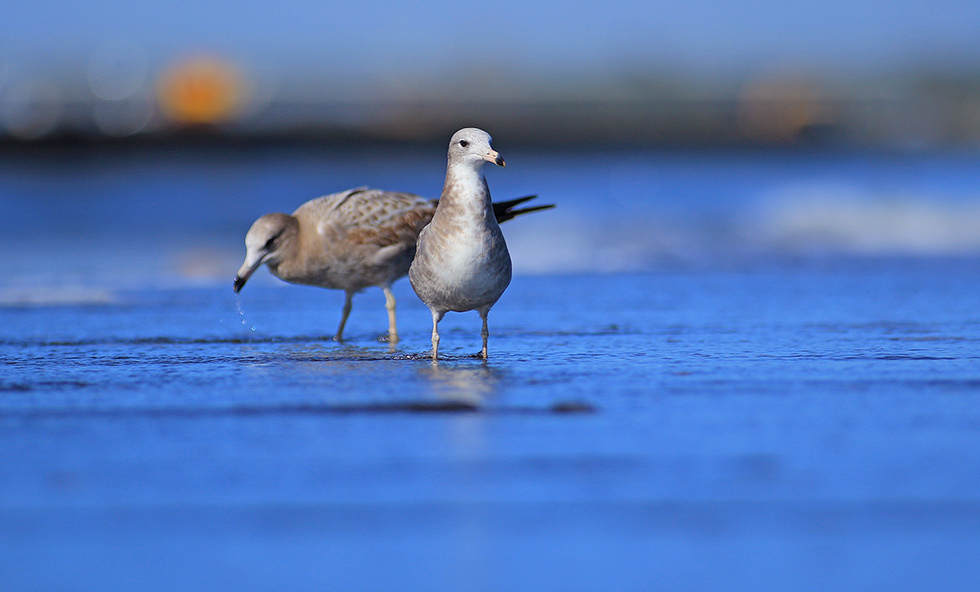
x: 781, y: 428
x: 791, y: 412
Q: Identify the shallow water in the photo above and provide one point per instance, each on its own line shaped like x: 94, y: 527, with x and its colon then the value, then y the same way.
x: 804, y: 428
x: 766, y: 387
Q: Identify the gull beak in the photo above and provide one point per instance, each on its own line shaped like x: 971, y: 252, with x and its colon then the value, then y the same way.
x: 494, y: 157
x: 247, y: 269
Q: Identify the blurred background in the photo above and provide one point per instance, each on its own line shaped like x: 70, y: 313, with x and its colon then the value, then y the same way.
x: 143, y: 139
x: 904, y: 73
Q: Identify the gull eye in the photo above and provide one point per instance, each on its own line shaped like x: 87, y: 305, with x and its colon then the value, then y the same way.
x: 272, y: 240
x: 464, y: 143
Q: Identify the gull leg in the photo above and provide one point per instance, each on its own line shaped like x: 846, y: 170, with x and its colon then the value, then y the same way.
x: 343, y: 316
x: 436, y: 317
x: 485, y: 333
x: 390, y: 305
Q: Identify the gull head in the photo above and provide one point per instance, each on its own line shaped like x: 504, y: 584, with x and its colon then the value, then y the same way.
x: 266, y: 243
x: 472, y: 146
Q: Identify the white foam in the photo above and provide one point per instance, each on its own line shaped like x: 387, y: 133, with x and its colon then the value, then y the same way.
x: 846, y: 220
x: 822, y: 219
x: 39, y: 296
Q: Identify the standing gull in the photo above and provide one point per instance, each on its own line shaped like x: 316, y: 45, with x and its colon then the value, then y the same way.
x: 461, y: 262
x: 348, y: 241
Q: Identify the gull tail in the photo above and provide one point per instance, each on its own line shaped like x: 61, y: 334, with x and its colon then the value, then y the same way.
x: 504, y: 210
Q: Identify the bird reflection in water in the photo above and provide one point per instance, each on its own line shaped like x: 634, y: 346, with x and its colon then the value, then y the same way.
x: 465, y: 386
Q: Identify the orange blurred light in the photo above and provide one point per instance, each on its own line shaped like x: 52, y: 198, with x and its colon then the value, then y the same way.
x: 778, y: 109
x: 201, y: 90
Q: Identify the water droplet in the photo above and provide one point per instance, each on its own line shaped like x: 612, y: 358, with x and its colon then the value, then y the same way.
x: 241, y: 312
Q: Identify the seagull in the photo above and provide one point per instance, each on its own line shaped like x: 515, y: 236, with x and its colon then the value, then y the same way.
x: 348, y: 241
x: 461, y: 262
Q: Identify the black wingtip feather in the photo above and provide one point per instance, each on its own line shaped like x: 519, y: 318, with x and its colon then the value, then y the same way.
x: 504, y: 210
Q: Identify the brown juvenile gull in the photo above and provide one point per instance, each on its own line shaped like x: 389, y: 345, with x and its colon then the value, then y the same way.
x: 461, y: 262
x: 348, y: 241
